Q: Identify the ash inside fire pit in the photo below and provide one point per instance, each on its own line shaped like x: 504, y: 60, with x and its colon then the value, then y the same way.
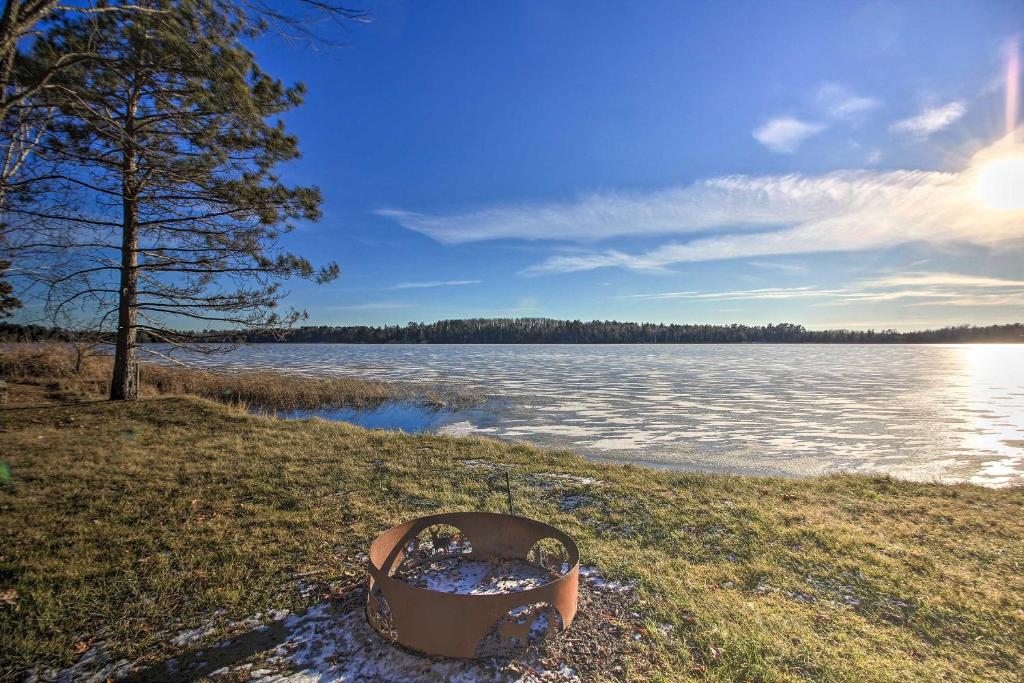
x: 475, y: 577
x: 439, y: 559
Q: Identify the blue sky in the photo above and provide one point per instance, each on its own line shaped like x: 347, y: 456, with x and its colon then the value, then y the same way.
x: 665, y: 161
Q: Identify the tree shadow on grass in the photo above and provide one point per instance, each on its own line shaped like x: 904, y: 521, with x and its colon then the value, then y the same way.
x: 199, y: 663
x: 329, y: 641
x: 332, y: 641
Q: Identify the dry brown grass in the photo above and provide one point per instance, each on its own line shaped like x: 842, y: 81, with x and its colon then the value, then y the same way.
x: 78, y: 373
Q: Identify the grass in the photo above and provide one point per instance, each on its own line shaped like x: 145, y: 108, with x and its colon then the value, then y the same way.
x: 64, y: 372
x: 122, y: 523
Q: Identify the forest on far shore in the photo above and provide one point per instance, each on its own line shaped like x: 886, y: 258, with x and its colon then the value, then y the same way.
x: 549, y: 331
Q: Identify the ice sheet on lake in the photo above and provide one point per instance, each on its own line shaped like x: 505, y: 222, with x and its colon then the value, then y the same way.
x: 949, y: 412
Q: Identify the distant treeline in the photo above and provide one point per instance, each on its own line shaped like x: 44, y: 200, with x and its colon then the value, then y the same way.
x: 548, y: 331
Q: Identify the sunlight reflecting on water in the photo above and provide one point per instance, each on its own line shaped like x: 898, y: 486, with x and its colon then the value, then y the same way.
x: 940, y: 412
x: 995, y: 392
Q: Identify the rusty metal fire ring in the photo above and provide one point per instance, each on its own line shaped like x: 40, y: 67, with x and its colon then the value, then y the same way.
x: 469, y: 625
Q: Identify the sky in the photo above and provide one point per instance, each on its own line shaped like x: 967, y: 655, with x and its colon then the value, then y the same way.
x: 839, y: 164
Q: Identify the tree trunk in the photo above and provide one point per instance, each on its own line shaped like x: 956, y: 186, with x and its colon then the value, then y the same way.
x: 125, y: 384
x: 10, y: 17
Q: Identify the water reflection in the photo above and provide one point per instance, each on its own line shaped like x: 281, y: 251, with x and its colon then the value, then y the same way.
x: 407, y: 416
x: 995, y: 373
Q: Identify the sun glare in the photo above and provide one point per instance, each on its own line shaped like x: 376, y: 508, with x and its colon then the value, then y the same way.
x: 1001, y: 184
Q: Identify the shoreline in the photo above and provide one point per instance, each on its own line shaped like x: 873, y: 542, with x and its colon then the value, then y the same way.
x: 663, y: 465
x: 640, y: 433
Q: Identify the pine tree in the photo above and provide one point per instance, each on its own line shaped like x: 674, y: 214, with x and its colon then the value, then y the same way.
x: 172, y: 210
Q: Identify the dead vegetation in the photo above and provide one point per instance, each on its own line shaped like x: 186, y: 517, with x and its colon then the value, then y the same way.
x: 76, y: 373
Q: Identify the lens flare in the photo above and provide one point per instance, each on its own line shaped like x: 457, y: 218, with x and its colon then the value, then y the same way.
x: 1012, y: 84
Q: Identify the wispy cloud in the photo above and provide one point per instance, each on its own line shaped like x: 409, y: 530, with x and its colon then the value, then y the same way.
x: 736, y: 202
x: 989, y: 299
x: 785, y: 134
x: 763, y: 293
x: 782, y: 266
x: 933, y: 297
x: 929, y: 279
x: 845, y: 211
x: 931, y: 120
x: 946, y: 289
x: 840, y: 103
x: 435, y: 283
x: 749, y: 217
x: 865, y: 211
x: 834, y: 102
x: 916, y: 289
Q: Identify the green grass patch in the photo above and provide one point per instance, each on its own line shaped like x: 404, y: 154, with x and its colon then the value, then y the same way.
x: 124, y: 523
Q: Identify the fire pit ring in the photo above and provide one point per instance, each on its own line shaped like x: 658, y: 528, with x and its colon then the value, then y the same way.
x: 470, y: 625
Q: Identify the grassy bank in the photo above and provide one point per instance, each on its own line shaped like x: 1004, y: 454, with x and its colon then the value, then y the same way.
x: 64, y: 373
x: 123, y: 524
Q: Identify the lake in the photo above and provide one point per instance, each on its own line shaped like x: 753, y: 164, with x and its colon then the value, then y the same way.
x: 926, y: 412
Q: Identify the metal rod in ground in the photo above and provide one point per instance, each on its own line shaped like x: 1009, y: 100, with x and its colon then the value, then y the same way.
x: 508, y: 490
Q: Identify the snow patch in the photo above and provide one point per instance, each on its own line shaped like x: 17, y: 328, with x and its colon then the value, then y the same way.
x: 325, y: 645
x: 475, y: 577
x: 593, y: 577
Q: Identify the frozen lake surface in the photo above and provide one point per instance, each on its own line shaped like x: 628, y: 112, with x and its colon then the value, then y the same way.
x: 949, y: 412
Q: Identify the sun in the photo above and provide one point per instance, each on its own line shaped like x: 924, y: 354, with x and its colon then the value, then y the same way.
x: 1000, y: 183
